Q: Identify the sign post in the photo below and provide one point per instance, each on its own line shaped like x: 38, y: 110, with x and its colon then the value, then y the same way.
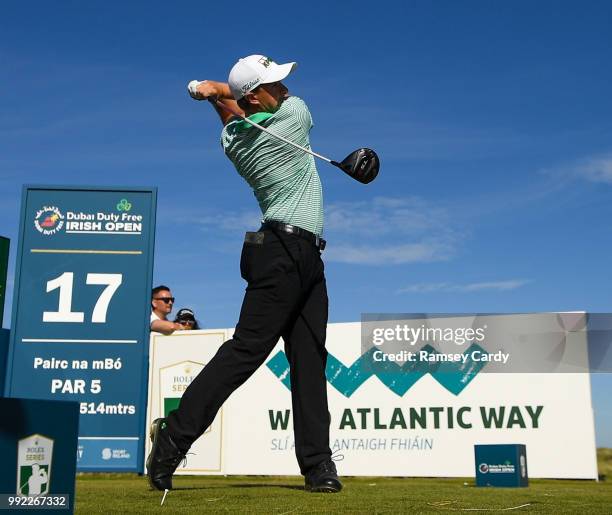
x: 81, y: 311
x: 4, y: 255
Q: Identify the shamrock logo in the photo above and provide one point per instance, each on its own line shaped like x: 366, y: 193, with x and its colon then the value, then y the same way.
x: 124, y: 205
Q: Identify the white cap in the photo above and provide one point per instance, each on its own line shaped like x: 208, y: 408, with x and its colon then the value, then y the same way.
x: 249, y: 72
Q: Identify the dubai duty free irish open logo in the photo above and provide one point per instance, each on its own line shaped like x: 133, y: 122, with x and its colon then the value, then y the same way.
x: 48, y: 220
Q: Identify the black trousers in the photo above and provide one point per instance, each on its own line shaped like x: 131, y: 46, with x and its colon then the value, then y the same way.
x: 286, y: 296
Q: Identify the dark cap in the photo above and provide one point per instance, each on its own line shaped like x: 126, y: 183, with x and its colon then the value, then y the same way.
x: 185, y: 314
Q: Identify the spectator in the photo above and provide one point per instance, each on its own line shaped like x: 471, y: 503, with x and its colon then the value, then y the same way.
x: 162, y: 302
x: 187, y: 319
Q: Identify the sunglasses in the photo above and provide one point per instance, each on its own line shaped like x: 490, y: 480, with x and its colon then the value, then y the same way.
x: 167, y: 300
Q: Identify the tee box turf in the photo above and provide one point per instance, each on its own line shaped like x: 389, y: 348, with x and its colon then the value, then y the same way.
x: 501, y: 465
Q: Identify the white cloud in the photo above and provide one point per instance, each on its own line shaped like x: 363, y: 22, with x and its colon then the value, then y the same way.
x: 380, y: 231
x: 384, y: 215
x: 389, y: 231
x: 511, y: 284
x: 596, y: 169
x: 233, y: 222
x: 389, y: 255
x: 238, y: 222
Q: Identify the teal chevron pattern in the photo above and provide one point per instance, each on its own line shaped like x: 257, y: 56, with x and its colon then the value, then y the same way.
x: 398, y: 378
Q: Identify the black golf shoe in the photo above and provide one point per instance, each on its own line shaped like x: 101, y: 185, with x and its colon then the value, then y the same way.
x: 165, y: 456
x: 323, y: 478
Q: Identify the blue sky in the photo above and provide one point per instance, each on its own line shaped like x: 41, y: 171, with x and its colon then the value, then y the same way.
x: 493, y: 121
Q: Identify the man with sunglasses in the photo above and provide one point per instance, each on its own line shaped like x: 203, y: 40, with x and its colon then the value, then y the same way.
x: 162, y: 302
x: 286, y: 294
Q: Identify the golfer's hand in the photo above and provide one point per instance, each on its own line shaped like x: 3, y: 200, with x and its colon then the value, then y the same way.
x: 202, y: 90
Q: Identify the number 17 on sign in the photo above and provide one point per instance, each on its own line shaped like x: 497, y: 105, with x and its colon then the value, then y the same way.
x: 65, y: 283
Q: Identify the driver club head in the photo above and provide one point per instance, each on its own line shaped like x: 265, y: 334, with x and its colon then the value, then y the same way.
x: 362, y: 165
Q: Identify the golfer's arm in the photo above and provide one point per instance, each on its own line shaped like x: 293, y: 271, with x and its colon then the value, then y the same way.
x: 164, y: 326
x: 226, y: 116
x: 224, y: 95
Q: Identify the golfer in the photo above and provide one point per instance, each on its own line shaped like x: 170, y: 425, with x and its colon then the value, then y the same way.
x: 281, y: 262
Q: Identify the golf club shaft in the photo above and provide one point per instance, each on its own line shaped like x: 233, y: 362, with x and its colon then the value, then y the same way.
x: 267, y: 131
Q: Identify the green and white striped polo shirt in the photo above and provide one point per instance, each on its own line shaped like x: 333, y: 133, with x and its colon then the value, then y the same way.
x: 284, y: 179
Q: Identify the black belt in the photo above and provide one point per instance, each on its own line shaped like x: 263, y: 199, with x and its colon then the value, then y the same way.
x: 317, y: 241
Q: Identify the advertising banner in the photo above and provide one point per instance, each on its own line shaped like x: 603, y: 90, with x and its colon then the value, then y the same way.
x: 81, y: 311
x: 401, y: 420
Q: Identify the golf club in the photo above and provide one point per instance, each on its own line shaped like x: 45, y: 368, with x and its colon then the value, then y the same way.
x: 362, y: 164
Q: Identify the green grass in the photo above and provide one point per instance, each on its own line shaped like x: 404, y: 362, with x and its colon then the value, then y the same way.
x: 604, y: 462
x: 128, y: 493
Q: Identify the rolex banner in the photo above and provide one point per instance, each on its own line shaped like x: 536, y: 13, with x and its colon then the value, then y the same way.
x: 403, y: 403
x: 38, y: 445
x: 175, y: 361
